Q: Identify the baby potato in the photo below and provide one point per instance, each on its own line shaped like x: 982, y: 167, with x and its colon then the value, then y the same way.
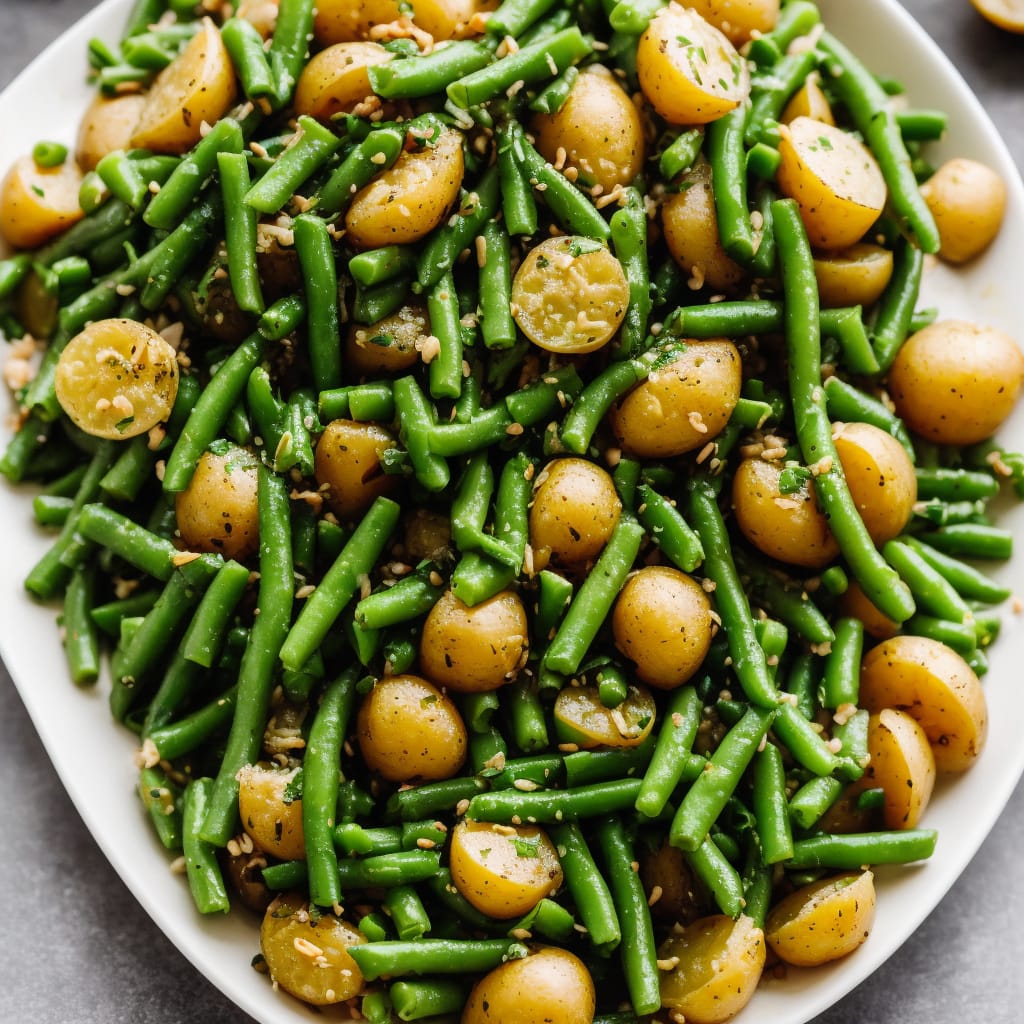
x: 967, y: 200
x: 219, y: 509
x: 853, y: 277
x: 348, y: 460
x: 271, y: 818
x: 390, y: 346
x: 599, y: 129
x: 36, y: 308
x: 822, y: 921
x: 688, y: 70
x: 674, y: 893
x: 335, y: 80
x: 550, y: 986
x: 410, y: 198
x: 426, y: 536
x: 106, y: 126
x: 473, y: 650
x: 581, y: 718
x: 198, y: 85
x: 37, y: 203
x: 808, y: 101
x: 690, y: 225
x: 880, y: 476
x: 739, y: 20
x: 261, y: 14
x: 574, y: 512
x: 855, y: 604
x: 117, y: 379
x: 955, y: 382
x: 933, y: 684
x: 902, y: 764
x: 409, y: 731
x: 306, y: 951
x: 790, y: 527
x: 339, y: 21
x: 719, y: 965
x: 683, y: 405
x: 504, y: 871
x: 569, y: 294
x: 835, y: 180
x: 662, y: 622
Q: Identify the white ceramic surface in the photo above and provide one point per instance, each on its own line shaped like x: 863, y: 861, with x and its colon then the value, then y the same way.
x: 95, y: 759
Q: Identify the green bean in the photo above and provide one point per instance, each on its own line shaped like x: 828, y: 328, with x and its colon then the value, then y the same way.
x: 552, y: 97
x: 813, y: 799
x: 845, y: 402
x: 896, y: 306
x: 51, y: 510
x: 771, y: 91
x: 81, y: 642
x: 256, y: 673
x: 874, y: 118
x: 721, y: 879
x: 814, y: 431
x: 204, y: 876
x: 675, y: 741
x: 851, y: 851
x: 445, y: 370
x: 795, y: 19
x: 969, y: 582
x: 316, y: 257
x: 414, y: 1000
x: 424, y: 76
x: 597, y: 398
x: 240, y: 232
x: 727, y: 157
x: 587, y: 886
x: 748, y: 660
x: 525, y: 715
x: 375, y: 266
x: 932, y: 592
x: 245, y: 48
x: 551, y: 806
x: 518, y: 206
x: 496, y: 324
x: 787, y: 602
x: 174, y: 739
x: 433, y: 956
x: 282, y: 317
x: 162, y: 800
x: 586, y: 767
x: 122, y: 177
x: 410, y: 597
x: 768, y: 801
x: 513, y: 17
x: 378, y: 151
x: 840, y: 682
x: 416, y: 421
x: 973, y: 540
x: 803, y: 741
x: 289, y: 45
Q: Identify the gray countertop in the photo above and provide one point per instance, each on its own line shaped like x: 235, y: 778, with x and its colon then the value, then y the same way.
x: 77, y: 949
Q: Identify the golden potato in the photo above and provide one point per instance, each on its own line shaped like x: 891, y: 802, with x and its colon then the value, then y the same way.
x: 117, y: 378
x: 503, y: 870
x: 261, y: 14
x: 348, y: 460
x: 598, y: 128
x: 662, y: 622
x: 336, y: 80
x: 855, y: 604
x: 307, y: 952
x: 835, y: 180
x: 390, y: 346
x: 1006, y: 14
x: 270, y: 815
x: 934, y: 685
x: 955, y: 382
x: 339, y: 21
x: 37, y: 203
x: 551, y: 986
x: 410, y: 198
x: 808, y: 101
x: 569, y: 294
x: 409, y: 731
x: 674, y: 894
x: 106, y: 126
x: 219, y: 510
x: 574, y: 512
x: 197, y: 86
x: 690, y: 225
x: 472, y: 650
x: 739, y: 20
x: 35, y: 307
x: 688, y: 70
x: 822, y: 921
x: 880, y: 476
x: 790, y: 527
x: 719, y: 965
x: 682, y: 406
x: 967, y: 200
x: 853, y: 277
x: 902, y: 764
x: 581, y: 718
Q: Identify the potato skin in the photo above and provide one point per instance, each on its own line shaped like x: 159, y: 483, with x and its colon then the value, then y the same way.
x: 336, y: 80
x: 822, y: 921
x: 218, y: 511
x: 902, y: 764
x: 106, y: 126
x: 662, y: 622
x: 389, y: 346
x: 37, y: 203
x: 789, y: 527
x: 273, y: 823
x: 684, y: 405
x: 739, y: 20
x: 853, y: 277
x: 503, y: 873
x: 955, y: 382
x: 934, y: 685
x: 409, y: 731
x: 600, y: 130
x: 720, y: 964
x: 968, y: 201
x: 338, y: 21
x: 286, y: 923
x: 410, y: 198
x: 880, y: 476
x: 473, y: 650
x: 835, y: 180
x: 574, y: 512
x: 551, y: 986
x: 347, y: 459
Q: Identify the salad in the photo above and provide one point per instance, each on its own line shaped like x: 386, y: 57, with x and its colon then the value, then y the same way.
x: 561, y: 489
